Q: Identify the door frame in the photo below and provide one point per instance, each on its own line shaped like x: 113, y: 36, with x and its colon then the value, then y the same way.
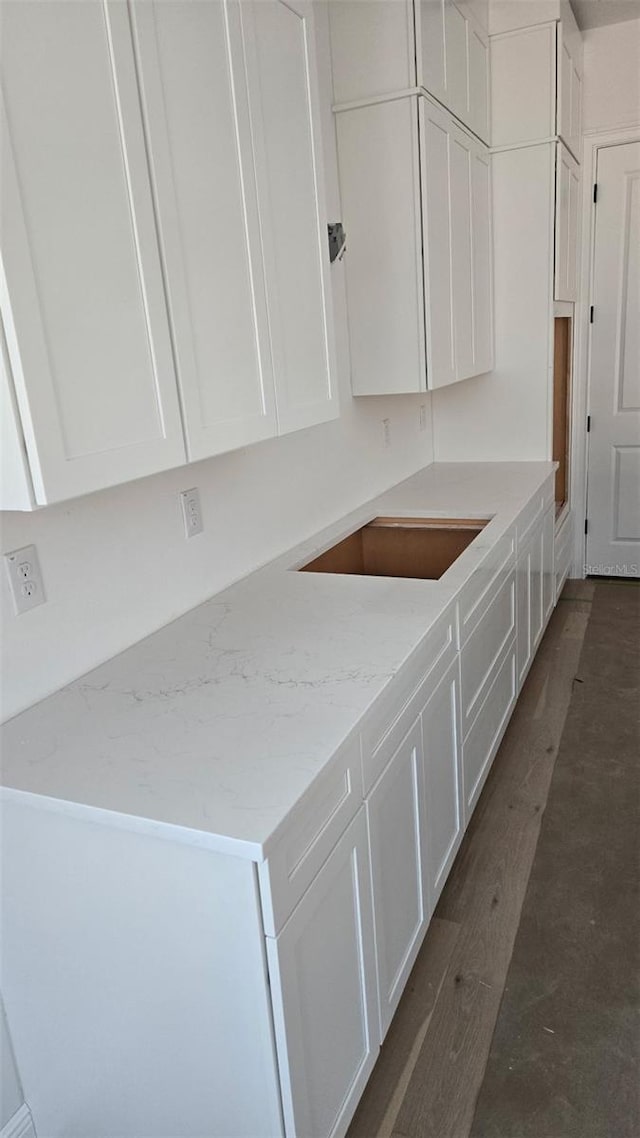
x: 592, y: 142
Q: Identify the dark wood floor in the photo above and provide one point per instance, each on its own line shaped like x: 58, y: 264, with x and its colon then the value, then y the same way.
x: 432, y: 1064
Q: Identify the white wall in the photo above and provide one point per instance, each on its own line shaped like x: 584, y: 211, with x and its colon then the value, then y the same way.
x: 611, y: 84
x: 116, y: 565
x: 11, y: 1097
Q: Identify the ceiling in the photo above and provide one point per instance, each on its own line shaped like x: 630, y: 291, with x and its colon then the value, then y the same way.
x: 595, y: 13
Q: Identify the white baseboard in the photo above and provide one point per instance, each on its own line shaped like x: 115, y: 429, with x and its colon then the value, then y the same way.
x: 20, y: 1125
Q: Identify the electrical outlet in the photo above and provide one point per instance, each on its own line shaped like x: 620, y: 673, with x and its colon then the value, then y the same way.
x: 192, y: 512
x: 386, y: 432
x: 422, y: 417
x: 25, y: 578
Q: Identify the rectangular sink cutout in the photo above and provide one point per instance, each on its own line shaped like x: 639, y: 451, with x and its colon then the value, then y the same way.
x: 400, y: 547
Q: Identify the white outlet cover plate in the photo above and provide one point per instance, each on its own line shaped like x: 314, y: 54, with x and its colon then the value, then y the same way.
x: 25, y: 578
x: 191, y: 512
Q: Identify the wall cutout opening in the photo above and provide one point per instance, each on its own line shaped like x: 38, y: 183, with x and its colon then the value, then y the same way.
x: 561, y: 406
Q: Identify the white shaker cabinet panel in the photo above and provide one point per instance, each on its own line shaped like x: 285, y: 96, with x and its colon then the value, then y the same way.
x: 400, y: 898
x: 462, y: 268
x: 456, y: 61
x: 482, y: 260
x: 435, y: 134
x: 322, y: 973
x: 199, y: 132
x: 443, y: 790
x: 548, y: 566
x: 478, y: 55
x: 452, y: 53
x: 431, y: 21
x: 380, y: 194
x: 81, y: 292
x: 566, y: 224
x: 284, y: 108
x: 569, y: 110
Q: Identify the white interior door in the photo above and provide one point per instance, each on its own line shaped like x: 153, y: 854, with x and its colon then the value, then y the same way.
x: 613, y: 535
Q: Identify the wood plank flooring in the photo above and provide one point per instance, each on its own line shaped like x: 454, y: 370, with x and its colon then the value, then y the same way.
x: 432, y: 1063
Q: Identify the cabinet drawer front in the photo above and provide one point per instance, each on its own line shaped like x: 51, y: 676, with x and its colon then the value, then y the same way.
x: 482, y: 742
x: 322, y: 973
x: 478, y: 594
x: 534, y: 511
x: 480, y: 655
x: 310, y: 833
x: 405, y: 698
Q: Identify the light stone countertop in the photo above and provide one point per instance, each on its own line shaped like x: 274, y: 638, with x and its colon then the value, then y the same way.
x: 210, y: 730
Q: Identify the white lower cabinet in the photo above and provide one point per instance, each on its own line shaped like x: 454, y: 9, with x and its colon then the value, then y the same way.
x: 548, y: 574
x: 322, y: 975
x: 395, y: 815
x: 535, y: 588
x: 562, y: 551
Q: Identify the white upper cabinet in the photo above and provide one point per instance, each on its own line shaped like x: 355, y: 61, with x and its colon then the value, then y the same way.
x: 81, y: 290
x: 285, y: 119
x: 569, y: 54
x: 416, y: 204
x: 162, y: 196
x: 566, y: 225
x: 392, y: 46
x: 536, y: 84
x: 197, y: 118
x: 452, y: 53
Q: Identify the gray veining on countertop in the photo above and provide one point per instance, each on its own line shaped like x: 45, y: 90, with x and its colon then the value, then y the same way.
x: 211, y: 729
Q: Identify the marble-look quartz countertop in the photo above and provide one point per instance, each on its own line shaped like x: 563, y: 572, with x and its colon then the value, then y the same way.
x: 210, y: 730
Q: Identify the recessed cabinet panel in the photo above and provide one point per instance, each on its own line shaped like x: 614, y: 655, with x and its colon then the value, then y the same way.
x: 460, y: 188
x: 456, y: 61
x: 443, y: 790
x: 372, y: 48
x: 481, y: 250
x: 322, y: 973
x: 478, y: 52
x: 431, y: 22
x: 435, y: 127
x: 566, y: 224
x: 279, y: 46
x: 192, y: 75
x: 85, y: 314
x: 396, y: 835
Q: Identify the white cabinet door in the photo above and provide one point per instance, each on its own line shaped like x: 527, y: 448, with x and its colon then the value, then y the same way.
x: 82, y: 294
x: 569, y: 109
x: 322, y: 973
x: 443, y: 789
x: 524, y: 639
x: 477, y: 116
x: 523, y: 85
x: 456, y: 193
x: 380, y: 194
x: 452, y: 53
x: 400, y: 900
x: 566, y: 224
x: 435, y: 130
x: 548, y: 570
x: 199, y: 134
x: 456, y: 61
x: 536, y: 597
x: 482, y: 256
x: 460, y: 149
x: 284, y: 108
x: 431, y: 20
